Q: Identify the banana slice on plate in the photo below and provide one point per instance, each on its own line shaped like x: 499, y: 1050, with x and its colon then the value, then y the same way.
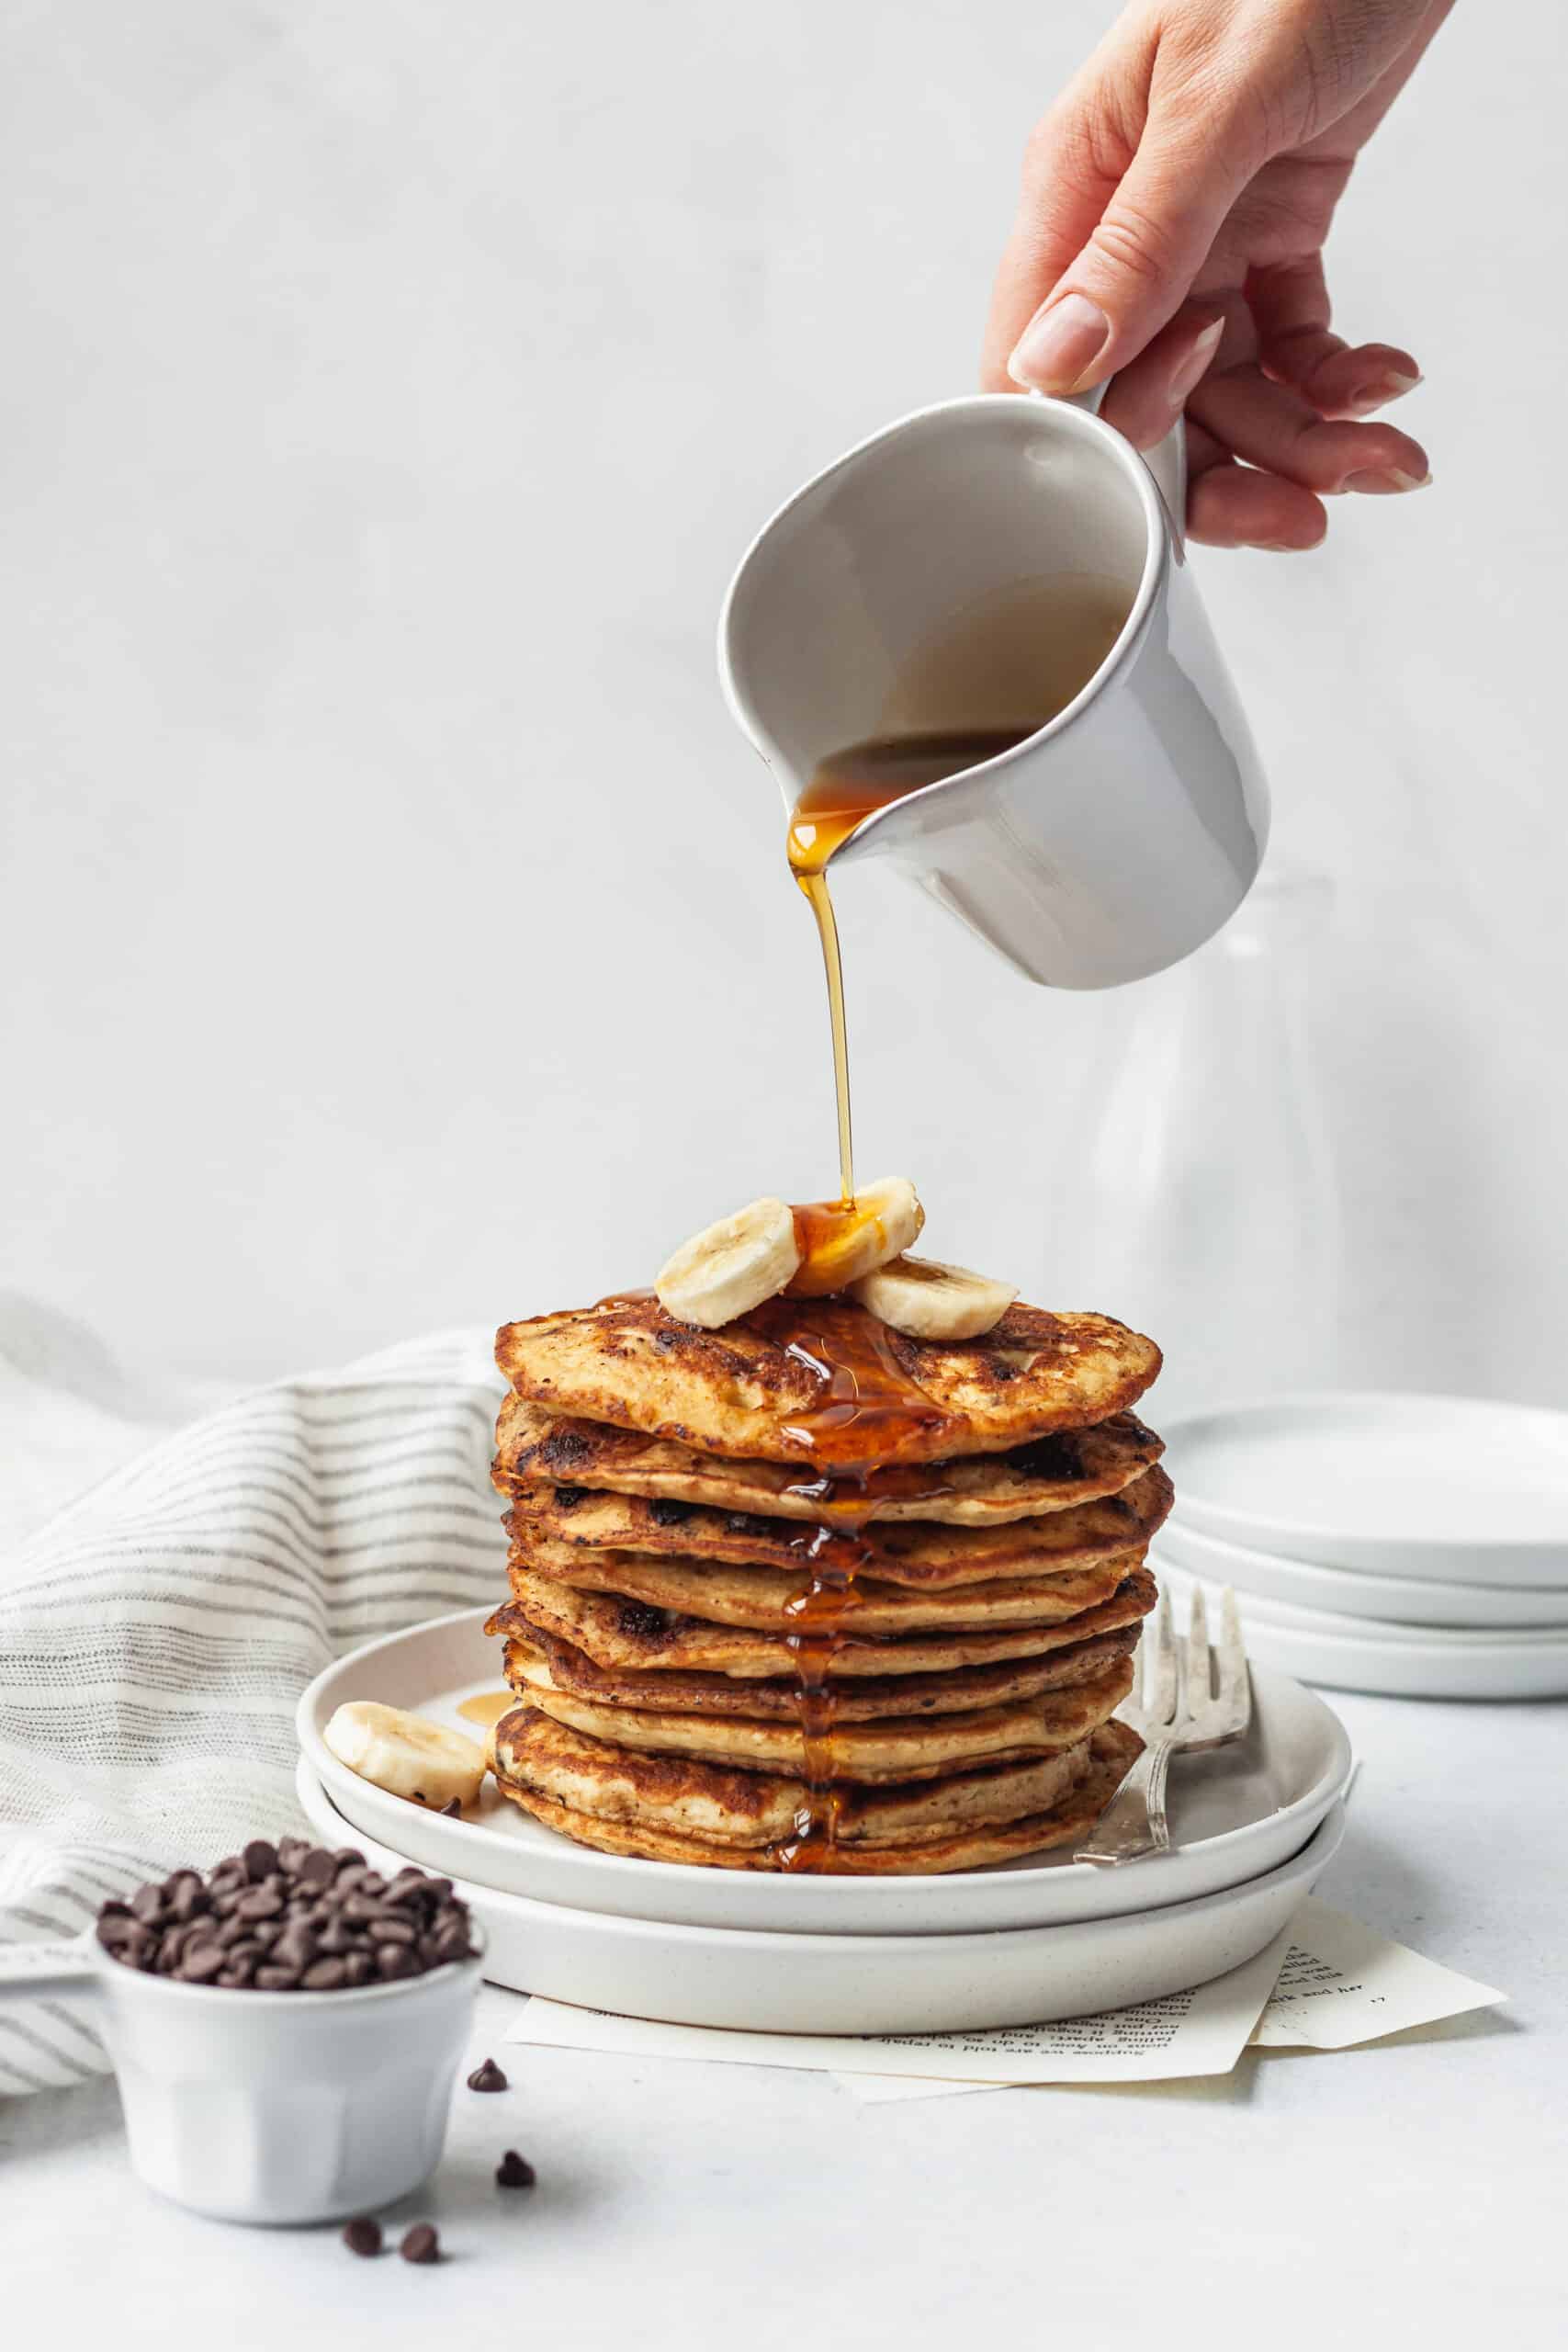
x: 848, y: 1240
x: 406, y: 1755
x: 929, y: 1301
x: 732, y: 1267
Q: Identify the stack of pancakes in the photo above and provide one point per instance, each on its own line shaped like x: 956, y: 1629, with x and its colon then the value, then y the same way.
x: 669, y: 1496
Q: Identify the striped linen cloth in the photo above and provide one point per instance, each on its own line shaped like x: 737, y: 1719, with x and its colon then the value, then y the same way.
x: 155, y: 1638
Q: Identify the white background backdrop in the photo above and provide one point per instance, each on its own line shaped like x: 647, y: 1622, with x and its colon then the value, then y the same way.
x: 394, y: 932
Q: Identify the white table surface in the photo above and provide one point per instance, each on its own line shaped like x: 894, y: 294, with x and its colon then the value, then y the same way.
x: 1410, y: 2192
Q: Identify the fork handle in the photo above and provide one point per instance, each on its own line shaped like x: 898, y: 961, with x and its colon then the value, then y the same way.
x: 1134, y: 1822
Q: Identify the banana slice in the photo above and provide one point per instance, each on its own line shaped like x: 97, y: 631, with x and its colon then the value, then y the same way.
x: 406, y: 1755
x: 732, y: 1267
x: 844, y: 1242
x: 929, y: 1301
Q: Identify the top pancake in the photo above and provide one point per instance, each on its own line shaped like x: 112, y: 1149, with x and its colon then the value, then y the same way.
x: 753, y: 1390
x: 536, y: 1450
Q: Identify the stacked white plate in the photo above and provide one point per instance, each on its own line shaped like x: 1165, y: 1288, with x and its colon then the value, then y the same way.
x: 1252, y: 1825
x: 1402, y: 1543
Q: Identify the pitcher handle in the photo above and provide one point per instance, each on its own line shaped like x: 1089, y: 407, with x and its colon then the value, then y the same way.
x: 1167, y: 461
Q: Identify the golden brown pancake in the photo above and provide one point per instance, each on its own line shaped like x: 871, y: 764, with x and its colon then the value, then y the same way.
x: 760, y: 1598
x: 537, y: 1449
x: 903, y: 1552
x: 749, y: 1390
x: 878, y: 1635
x: 536, y: 1660
x: 890, y: 1748
x: 622, y: 1804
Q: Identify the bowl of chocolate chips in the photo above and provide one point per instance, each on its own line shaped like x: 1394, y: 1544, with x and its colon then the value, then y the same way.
x: 286, y: 2028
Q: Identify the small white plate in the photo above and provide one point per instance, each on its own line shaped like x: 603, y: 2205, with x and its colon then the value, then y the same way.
x: 1454, y: 1487
x: 1358, y: 1592
x: 841, y: 1984
x: 1234, y: 1815
x: 1397, y: 1661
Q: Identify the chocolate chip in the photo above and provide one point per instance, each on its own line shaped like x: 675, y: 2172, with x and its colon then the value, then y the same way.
x: 569, y: 1497
x: 277, y: 1980
x: 359, y: 1968
x: 147, y: 1902
x: 260, y: 1859
x: 393, y: 1961
x: 201, y: 1962
x: 452, y: 1810
x: 665, y: 1513
x: 640, y: 1621
x: 319, y: 1867
x: 514, y: 2171
x: 262, y: 1902
x: 487, y: 2076
x: 186, y: 1894
x: 419, y: 2244
x: 1056, y: 1456
x: 324, y: 1976
x: 364, y: 2235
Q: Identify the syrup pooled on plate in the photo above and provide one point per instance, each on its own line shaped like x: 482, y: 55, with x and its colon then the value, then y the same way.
x: 486, y: 1708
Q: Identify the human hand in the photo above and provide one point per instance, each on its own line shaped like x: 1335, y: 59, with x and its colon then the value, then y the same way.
x: 1176, y: 200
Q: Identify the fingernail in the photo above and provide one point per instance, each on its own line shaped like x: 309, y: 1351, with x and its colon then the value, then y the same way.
x: 1060, y: 345
x: 1385, y: 484
x: 1378, y: 390
x: 1191, y: 371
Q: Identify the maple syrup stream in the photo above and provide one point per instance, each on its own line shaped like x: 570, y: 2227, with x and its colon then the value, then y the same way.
x: 868, y: 1412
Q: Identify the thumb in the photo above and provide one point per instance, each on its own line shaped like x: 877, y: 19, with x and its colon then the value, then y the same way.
x: 1138, y: 265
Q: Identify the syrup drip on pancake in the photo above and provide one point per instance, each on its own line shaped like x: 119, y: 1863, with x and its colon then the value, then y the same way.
x: 867, y: 1413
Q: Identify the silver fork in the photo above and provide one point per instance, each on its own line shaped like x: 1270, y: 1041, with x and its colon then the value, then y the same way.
x: 1189, y: 1697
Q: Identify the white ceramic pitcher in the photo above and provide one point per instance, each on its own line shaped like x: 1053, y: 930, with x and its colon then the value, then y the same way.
x: 919, y: 584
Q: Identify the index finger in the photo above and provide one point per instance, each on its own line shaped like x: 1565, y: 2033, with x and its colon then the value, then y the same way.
x: 1068, y: 180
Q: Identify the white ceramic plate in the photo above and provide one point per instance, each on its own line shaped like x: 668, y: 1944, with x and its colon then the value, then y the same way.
x: 841, y: 1984
x: 1450, y: 1487
x: 1358, y: 1592
x: 1234, y: 1815
x: 1399, y: 1661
